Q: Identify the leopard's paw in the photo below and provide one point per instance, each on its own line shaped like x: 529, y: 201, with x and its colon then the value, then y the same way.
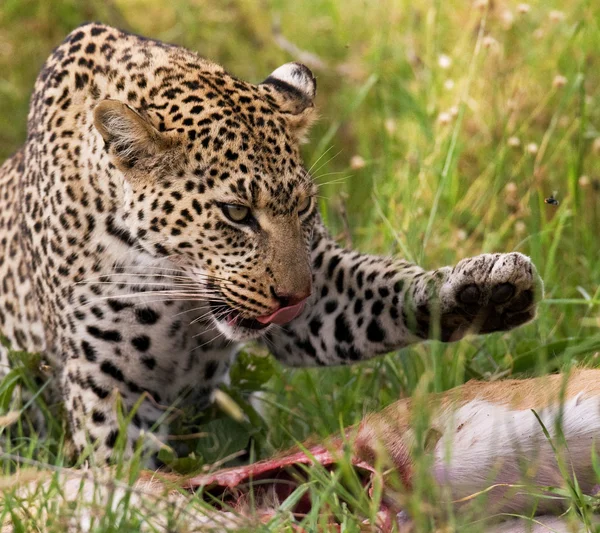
x: 489, y: 292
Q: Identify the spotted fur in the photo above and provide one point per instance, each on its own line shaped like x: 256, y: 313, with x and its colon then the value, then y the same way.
x: 120, y: 263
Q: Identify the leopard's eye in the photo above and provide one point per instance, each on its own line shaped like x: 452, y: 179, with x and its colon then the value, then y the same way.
x: 304, y: 205
x: 237, y: 213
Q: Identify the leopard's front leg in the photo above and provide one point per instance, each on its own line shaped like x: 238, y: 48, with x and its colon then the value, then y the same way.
x: 97, y: 421
x: 366, y: 305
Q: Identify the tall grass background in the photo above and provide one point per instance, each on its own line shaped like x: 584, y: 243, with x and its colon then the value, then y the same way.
x: 444, y: 126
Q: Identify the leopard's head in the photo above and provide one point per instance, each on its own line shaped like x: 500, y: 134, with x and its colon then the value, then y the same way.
x: 214, y: 182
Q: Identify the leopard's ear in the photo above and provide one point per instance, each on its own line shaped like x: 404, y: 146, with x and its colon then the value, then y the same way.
x: 130, y: 138
x: 295, y: 89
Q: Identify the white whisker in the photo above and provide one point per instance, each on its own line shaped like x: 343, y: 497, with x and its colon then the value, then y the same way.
x: 326, y: 162
x: 319, y: 159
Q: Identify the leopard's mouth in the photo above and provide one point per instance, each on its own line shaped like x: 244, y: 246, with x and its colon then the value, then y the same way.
x: 233, y: 318
x: 224, y: 313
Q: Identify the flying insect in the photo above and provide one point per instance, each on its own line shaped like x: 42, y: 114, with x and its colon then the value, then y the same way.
x: 551, y: 200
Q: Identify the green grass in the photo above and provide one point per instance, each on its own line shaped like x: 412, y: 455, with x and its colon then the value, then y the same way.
x: 444, y: 125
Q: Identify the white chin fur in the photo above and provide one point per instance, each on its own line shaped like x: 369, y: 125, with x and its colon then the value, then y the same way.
x: 237, y: 333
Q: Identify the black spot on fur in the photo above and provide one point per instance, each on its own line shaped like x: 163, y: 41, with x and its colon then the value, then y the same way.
x: 149, y: 362
x: 77, y: 37
x: 98, y: 417
x: 306, y: 346
x: 146, y: 316
x: 141, y: 343
x: 339, y: 281
x: 318, y: 262
x: 358, y: 306
x: 120, y: 233
x: 342, y: 329
x: 98, y: 391
x: 108, y: 368
x: 210, y: 369
x: 108, y: 335
x: 374, y: 332
x: 315, y: 326
x: 88, y: 351
x: 117, y: 305
x: 377, y: 307
x: 360, y: 279
x: 333, y: 263
x: 330, y: 306
x: 111, y: 438
x: 348, y: 352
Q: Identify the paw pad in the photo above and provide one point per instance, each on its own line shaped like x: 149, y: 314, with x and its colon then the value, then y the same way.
x: 521, y: 302
x: 470, y: 294
x: 490, y: 292
x: 502, y: 293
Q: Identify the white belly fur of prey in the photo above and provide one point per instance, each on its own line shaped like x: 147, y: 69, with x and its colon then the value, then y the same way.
x: 488, y: 444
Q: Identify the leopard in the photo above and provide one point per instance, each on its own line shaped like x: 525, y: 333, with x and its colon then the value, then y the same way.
x: 159, y: 216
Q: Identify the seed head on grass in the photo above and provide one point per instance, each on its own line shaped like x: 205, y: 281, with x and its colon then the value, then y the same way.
x: 357, y: 162
x: 449, y: 84
x: 507, y: 19
x: 520, y: 227
x: 584, y: 181
x: 511, y: 190
x: 390, y: 126
x: 444, y: 61
x: 490, y: 43
x: 444, y: 118
x: 559, y: 81
x: 513, y: 142
x: 556, y: 16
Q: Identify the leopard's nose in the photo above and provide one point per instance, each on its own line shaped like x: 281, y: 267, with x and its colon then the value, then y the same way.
x: 291, y: 299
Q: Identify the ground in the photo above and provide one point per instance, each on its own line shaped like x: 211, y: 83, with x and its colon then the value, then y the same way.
x: 444, y: 127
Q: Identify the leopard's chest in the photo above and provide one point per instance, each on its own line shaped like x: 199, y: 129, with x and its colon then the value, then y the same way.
x: 139, y: 328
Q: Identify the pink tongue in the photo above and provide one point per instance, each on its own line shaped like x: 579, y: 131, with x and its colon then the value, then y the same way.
x: 283, y: 315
